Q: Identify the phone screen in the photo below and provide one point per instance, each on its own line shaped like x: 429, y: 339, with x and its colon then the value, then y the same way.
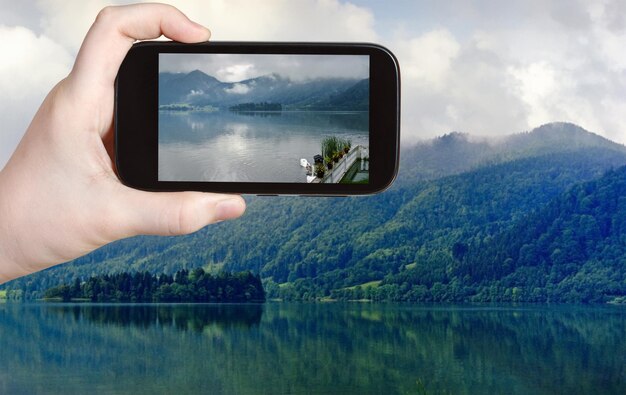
x: 263, y: 118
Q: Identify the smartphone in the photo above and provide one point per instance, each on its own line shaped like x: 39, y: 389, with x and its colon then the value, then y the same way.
x: 258, y: 118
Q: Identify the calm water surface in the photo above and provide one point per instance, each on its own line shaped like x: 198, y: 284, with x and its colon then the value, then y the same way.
x: 310, y: 349
x: 261, y: 147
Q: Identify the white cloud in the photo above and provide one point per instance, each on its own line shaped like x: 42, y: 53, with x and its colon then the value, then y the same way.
x: 239, y: 67
x: 282, y: 20
x: 39, y: 61
x: 67, y: 22
x: 236, y: 72
x: 450, y: 85
x: 505, y: 71
x: 426, y: 60
x: 551, y: 94
x: 485, y: 70
x: 238, y: 89
x: 30, y: 67
x: 279, y: 20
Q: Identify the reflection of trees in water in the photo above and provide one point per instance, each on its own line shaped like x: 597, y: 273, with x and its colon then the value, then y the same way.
x: 321, y: 348
x: 453, y: 349
x: 262, y: 114
x: 182, y: 317
x: 356, y: 121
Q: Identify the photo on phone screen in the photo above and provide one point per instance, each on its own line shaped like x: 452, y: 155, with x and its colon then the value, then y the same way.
x: 269, y: 118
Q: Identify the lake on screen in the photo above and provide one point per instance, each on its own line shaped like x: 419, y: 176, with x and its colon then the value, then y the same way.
x: 280, y: 348
x: 249, y: 147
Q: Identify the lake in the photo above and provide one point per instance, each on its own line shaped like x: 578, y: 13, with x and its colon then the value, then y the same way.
x: 311, y: 349
x: 252, y: 146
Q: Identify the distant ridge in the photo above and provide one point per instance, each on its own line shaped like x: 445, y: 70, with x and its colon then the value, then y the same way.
x: 197, y: 88
x: 457, y: 152
x: 564, y: 135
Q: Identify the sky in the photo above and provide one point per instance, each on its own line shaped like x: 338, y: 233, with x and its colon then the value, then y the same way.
x: 483, y: 67
x: 239, y: 67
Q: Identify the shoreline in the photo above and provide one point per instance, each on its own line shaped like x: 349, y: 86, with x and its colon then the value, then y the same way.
x: 327, y: 302
x: 261, y: 111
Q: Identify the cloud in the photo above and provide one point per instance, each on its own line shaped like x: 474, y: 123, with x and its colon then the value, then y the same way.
x: 483, y: 67
x: 239, y: 89
x: 43, y: 52
x: 30, y: 67
x: 239, y: 67
x: 448, y: 86
x: 278, y: 20
x: 426, y: 59
x: 506, y: 69
x: 283, y: 20
x: 67, y: 22
x: 235, y: 72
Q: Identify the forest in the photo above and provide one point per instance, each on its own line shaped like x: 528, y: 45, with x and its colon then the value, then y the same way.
x: 264, y: 106
x: 534, y: 217
x: 195, y: 286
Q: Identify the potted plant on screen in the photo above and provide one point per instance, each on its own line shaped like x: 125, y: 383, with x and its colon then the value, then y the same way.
x: 347, y: 144
x: 319, y: 170
x: 329, y: 162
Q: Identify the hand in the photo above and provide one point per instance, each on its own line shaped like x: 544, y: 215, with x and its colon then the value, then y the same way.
x: 59, y: 195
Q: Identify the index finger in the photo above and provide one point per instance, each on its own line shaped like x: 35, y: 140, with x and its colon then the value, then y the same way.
x: 117, y: 28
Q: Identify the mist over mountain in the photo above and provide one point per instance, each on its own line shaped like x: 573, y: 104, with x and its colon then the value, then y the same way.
x: 199, y: 89
x: 456, y: 152
x: 453, y: 228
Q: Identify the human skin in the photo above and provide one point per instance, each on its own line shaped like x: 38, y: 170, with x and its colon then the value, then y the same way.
x: 60, y: 197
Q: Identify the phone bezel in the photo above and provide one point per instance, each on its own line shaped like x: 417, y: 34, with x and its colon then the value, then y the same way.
x: 136, y: 117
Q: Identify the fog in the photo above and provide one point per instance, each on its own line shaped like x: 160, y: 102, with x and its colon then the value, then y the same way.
x: 239, y: 67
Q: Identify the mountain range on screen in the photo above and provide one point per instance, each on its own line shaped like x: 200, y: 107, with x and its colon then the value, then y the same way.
x: 197, y: 88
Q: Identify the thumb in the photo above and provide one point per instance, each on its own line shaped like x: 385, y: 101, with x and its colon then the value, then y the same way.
x: 115, y: 30
x: 177, y: 213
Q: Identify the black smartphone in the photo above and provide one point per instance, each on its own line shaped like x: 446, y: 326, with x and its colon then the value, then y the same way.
x: 258, y: 117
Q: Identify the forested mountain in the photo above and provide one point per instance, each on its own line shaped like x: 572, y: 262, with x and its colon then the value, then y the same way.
x: 468, y: 220
x: 199, y: 89
x: 354, y: 98
x: 574, y: 249
x: 457, y: 152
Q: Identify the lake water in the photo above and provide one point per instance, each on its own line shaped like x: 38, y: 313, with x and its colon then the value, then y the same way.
x: 310, y: 349
x: 252, y: 147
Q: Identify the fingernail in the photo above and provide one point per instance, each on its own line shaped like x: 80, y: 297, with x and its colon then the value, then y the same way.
x: 228, y: 209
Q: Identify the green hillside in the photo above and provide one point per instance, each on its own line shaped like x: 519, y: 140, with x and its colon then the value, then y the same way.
x: 573, y: 250
x: 356, y: 98
x: 418, y: 241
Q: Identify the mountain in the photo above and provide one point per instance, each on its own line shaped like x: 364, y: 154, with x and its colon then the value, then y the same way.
x: 355, y: 98
x: 573, y: 249
x: 199, y: 89
x: 456, y: 152
x: 178, y: 88
x: 443, y: 232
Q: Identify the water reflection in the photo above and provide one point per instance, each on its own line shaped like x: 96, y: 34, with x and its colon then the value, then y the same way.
x: 193, y: 317
x: 308, y: 348
x: 228, y: 146
x: 263, y: 114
